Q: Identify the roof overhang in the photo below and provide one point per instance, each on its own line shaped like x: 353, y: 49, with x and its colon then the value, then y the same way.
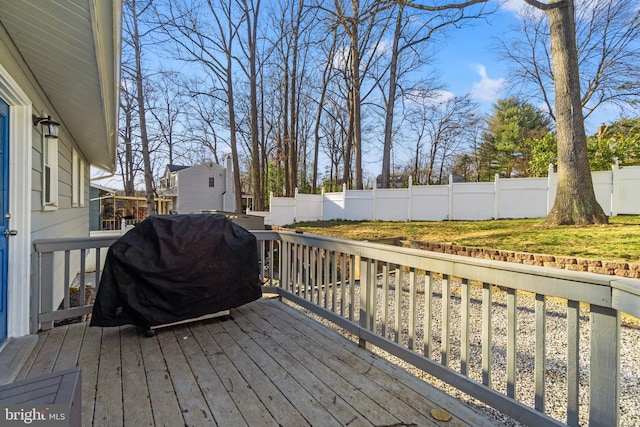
x: 72, y: 48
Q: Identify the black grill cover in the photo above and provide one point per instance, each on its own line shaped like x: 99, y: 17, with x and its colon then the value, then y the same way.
x: 177, y: 267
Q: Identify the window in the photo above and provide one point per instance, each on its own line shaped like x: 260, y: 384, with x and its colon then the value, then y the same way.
x: 75, y: 178
x: 211, y: 181
x: 173, y: 180
x: 81, y: 186
x: 49, y: 173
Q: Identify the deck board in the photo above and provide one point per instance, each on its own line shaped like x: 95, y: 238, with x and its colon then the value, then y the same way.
x: 136, y: 410
x: 270, y: 365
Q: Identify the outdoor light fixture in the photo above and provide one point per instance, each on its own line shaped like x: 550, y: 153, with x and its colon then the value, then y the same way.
x: 49, y: 127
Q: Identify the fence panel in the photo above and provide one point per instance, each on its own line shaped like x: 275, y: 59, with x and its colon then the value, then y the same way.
x: 603, y: 186
x: 522, y: 197
x: 430, y: 202
x: 358, y: 205
x: 308, y: 207
x: 472, y: 201
x: 392, y: 204
x: 627, y: 180
x: 283, y: 210
x: 616, y: 191
x: 333, y: 206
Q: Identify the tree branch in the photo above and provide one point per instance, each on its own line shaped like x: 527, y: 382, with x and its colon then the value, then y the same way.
x: 442, y: 7
x: 546, y: 6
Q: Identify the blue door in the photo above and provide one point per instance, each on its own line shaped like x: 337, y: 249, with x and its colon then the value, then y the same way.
x: 4, y: 201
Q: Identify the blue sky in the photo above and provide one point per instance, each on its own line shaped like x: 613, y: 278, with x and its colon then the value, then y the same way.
x: 469, y: 62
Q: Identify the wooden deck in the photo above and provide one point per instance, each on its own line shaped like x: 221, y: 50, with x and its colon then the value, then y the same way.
x: 268, y: 366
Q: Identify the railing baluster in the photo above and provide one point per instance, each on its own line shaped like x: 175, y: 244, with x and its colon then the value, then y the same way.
x: 540, y: 356
x: 464, y: 338
x: 445, y: 343
x: 334, y: 279
x: 352, y: 285
x: 412, y: 308
x: 98, y: 270
x: 67, y: 273
x: 304, y: 271
x: 487, y: 357
x: 309, y: 271
x: 512, y: 328
x: 82, y: 296
x: 573, y: 363
x: 428, y: 308
x: 385, y: 298
x: 343, y: 283
x: 398, y: 305
x: 326, y: 277
x: 373, y: 290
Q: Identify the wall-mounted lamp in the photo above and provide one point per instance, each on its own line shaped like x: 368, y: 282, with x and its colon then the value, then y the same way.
x: 49, y: 127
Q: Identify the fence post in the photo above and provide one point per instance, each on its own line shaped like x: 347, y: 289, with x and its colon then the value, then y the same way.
x: 615, y: 188
x: 410, y: 201
x: 375, y: 204
x: 450, y: 215
x: 344, y: 201
x: 549, y: 178
x: 496, y: 196
x: 295, y: 204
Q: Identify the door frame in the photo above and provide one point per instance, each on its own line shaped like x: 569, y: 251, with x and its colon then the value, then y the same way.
x: 20, y: 169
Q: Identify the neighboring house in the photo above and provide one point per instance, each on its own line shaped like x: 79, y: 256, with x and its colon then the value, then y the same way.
x: 58, y: 59
x: 200, y: 188
x: 97, y: 194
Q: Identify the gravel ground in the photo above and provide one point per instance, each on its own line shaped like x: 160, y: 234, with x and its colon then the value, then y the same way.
x: 556, y: 329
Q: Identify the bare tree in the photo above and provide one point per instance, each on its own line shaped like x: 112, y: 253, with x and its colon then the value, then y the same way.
x: 410, y: 34
x: 132, y: 38
x: 129, y: 158
x: 205, y: 36
x: 575, y: 201
x: 167, y: 109
x: 446, y: 128
x: 607, y: 32
x: 327, y: 75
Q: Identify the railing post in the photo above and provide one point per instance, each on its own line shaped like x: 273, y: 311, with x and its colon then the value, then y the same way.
x: 605, y: 367
x: 46, y: 288
x: 34, y: 305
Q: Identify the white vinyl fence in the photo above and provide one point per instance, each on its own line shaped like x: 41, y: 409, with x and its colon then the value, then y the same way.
x: 617, y: 191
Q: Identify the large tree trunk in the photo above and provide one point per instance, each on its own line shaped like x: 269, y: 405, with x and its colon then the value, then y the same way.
x: 575, y: 201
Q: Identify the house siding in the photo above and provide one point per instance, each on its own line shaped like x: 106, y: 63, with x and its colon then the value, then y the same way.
x: 194, y: 193
x: 64, y: 221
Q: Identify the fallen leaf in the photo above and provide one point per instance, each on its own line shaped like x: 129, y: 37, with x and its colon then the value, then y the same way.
x: 440, y: 415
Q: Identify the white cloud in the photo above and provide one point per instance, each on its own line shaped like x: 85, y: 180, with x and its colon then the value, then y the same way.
x: 512, y: 5
x: 487, y: 89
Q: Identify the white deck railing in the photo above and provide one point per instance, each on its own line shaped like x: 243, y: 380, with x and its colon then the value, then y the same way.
x: 476, y: 314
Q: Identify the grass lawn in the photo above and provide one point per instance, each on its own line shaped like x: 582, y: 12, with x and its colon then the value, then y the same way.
x: 618, y: 241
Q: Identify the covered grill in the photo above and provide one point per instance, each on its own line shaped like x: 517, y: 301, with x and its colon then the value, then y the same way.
x: 173, y: 268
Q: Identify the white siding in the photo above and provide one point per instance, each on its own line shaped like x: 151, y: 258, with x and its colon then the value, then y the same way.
x: 194, y: 192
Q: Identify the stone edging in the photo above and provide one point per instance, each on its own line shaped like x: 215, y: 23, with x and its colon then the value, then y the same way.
x: 613, y: 268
